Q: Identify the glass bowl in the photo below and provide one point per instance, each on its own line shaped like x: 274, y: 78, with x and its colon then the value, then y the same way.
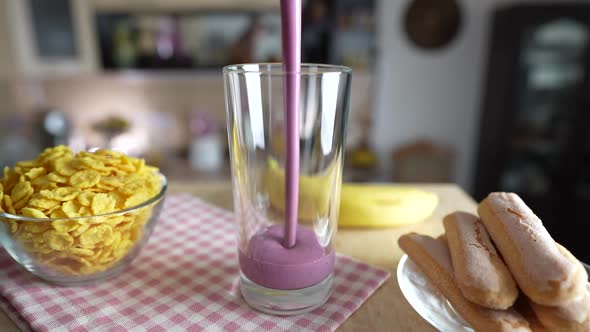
x: 82, y: 250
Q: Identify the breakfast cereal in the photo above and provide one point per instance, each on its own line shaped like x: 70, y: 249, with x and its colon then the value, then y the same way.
x: 62, y: 185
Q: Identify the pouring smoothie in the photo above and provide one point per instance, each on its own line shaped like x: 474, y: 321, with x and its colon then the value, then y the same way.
x: 286, y: 253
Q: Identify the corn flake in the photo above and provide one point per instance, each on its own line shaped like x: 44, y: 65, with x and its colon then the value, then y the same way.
x: 57, y: 178
x: 61, y: 185
x: 65, y: 226
x: 57, y: 240
x: 81, y: 229
x: 81, y: 251
x: 58, y: 213
x: 21, y: 190
x: 42, y: 203
x: 85, y: 178
x: 33, y: 213
x: 36, y: 172
x: 103, y: 203
x: 95, y: 235
x: 71, y: 209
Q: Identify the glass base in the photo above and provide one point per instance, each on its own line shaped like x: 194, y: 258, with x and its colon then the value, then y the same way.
x: 285, y: 302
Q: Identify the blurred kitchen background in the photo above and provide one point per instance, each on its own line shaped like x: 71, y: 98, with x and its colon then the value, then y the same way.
x: 489, y: 94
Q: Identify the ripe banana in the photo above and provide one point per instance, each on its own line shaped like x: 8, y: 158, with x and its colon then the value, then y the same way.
x: 314, y: 191
x: 361, y: 205
x: 364, y: 205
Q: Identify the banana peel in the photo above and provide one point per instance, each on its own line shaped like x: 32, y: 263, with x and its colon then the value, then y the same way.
x: 361, y: 205
x: 314, y: 191
x: 364, y: 205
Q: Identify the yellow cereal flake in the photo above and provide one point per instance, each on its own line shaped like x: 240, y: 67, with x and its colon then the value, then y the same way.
x: 114, y: 181
x: 13, y: 226
x: 33, y: 213
x: 82, y: 227
x: 21, y: 190
x: 43, y: 182
x: 35, y: 227
x: 95, y: 235
x: 85, y: 211
x: 61, y: 185
x: 122, y: 248
x: 103, y: 203
x: 137, y: 199
x: 63, y: 166
x: 41, y: 203
x: 58, y: 213
x: 92, y: 163
x: 22, y: 203
x: 8, y: 205
x: 50, y: 211
x: 61, y: 194
x: 65, y: 226
x: 132, y: 188
x: 85, y: 197
x: 36, y: 172
x: 71, y: 209
x: 57, y: 178
x: 81, y: 251
x: 114, y: 220
x: 57, y: 240
x: 85, y: 178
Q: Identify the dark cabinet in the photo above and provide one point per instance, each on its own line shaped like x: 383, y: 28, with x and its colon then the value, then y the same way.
x: 535, y: 124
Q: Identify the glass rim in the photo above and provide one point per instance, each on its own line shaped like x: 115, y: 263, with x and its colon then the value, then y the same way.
x: 114, y: 213
x: 276, y: 68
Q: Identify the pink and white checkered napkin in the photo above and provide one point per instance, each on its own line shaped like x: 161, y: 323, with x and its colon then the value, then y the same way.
x: 185, y: 279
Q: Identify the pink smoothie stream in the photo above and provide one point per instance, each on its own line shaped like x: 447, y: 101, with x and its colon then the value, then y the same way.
x: 287, y: 256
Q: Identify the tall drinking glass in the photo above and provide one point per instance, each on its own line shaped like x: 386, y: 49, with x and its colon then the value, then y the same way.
x: 276, y: 279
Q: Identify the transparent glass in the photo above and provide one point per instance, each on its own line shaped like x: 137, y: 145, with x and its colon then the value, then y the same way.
x: 82, y: 250
x: 256, y: 133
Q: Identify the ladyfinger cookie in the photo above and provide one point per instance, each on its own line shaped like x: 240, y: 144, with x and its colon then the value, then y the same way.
x: 479, y: 272
x: 433, y: 258
x: 546, y: 273
x: 573, y: 316
x: 524, y: 308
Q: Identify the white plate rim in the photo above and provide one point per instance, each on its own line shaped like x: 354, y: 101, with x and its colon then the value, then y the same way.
x: 421, y: 307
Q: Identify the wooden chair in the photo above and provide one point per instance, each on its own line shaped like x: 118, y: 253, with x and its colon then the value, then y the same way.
x: 423, y: 161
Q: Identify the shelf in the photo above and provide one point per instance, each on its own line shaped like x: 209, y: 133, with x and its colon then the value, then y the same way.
x: 182, y: 5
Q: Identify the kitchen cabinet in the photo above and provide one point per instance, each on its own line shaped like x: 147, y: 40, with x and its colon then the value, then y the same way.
x: 130, y: 5
x: 535, y: 125
x: 41, y: 39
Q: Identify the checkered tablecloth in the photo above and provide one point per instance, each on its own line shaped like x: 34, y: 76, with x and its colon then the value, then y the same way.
x: 185, y: 279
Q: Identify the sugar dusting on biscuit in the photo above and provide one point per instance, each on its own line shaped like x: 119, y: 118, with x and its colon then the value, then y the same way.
x: 541, y: 258
x: 478, y: 244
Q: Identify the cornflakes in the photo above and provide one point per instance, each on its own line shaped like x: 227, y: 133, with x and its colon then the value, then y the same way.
x: 85, y: 198
x: 65, y: 226
x: 36, y: 172
x: 34, y: 213
x: 95, y: 235
x: 85, y: 179
x: 71, y: 208
x: 55, y: 177
x: 103, y: 203
x: 20, y: 191
x: 41, y: 203
x: 63, y: 167
x: 57, y: 240
x: 72, y: 190
x: 61, y: 194
x: 80, y: 229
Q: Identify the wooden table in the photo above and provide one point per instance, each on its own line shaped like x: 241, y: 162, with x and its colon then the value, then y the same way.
x: 386, y: 309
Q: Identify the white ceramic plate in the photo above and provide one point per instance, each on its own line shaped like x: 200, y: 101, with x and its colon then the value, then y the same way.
x: 427, y: 300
